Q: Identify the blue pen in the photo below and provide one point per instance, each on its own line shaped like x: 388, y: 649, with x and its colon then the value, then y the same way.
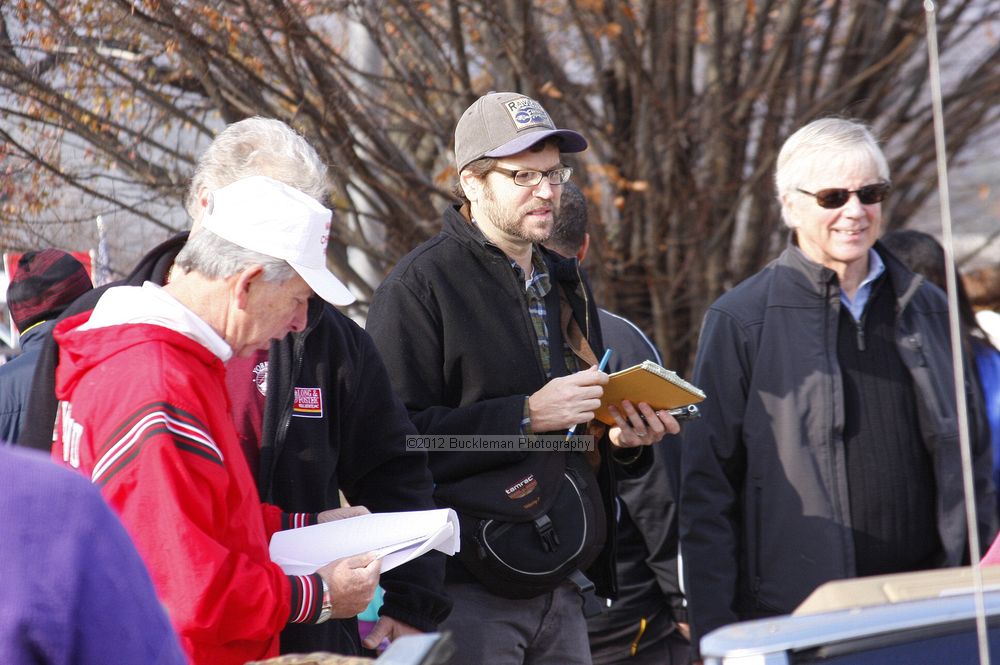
x: 603, y: 364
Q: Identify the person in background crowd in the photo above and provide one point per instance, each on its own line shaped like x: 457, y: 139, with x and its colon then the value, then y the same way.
x: 828, y: 446
x: 923, y: 254
x: 44, y: 284
x: 74, y: 588
x: 315, y: 413
x: 485, y: 332
x: 648, y: 621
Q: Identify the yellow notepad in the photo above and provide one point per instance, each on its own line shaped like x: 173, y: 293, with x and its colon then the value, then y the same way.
x: 647, y: 382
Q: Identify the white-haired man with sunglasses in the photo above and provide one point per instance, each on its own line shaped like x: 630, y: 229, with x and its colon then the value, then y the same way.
x: 828, y: 446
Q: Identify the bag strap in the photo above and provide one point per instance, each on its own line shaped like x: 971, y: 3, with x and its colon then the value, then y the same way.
x: 592, y: 605
x: 581, y: 348
x: 572, y: 333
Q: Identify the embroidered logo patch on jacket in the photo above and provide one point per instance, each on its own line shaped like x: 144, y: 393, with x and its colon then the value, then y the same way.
x: 308, y: 403
x: 260, y: 377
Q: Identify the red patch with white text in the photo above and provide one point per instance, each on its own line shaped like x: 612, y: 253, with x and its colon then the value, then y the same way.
x: 308, y: 403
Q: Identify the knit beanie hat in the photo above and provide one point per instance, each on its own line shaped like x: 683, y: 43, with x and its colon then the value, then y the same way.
x: 44, y: 284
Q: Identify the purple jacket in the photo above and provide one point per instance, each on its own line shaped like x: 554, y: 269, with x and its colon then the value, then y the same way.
x: 74, y: 587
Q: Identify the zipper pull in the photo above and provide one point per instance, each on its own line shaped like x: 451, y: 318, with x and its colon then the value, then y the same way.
x: 861, y: 335
x: 919, y: 348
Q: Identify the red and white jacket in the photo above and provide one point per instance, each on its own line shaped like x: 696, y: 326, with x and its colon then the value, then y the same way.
x: 144, y: 413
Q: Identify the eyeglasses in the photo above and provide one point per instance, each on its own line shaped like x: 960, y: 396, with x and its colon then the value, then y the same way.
x: 836, y: 198
x: 556, y: 176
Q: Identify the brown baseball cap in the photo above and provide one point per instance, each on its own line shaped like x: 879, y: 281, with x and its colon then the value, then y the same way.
x: 500, y: 124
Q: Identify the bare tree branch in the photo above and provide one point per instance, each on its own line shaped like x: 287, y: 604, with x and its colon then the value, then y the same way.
x: 684, y: 104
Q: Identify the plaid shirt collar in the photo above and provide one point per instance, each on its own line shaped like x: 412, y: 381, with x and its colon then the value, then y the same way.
x: 539, y: 284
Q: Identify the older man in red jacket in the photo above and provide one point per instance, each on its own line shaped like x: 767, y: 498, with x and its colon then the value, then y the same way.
x: 144, y: 412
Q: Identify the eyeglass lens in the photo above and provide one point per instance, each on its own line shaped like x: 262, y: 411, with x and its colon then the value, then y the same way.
x: 836, y: 198
x: 531, y: 178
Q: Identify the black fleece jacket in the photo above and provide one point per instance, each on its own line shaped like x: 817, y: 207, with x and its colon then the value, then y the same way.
x: 452, y: 325
x: 356, y: 447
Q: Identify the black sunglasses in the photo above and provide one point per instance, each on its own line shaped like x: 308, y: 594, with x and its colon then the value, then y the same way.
x: 836, y: 198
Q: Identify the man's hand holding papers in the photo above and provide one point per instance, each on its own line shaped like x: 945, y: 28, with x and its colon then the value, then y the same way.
x: 393, y: 537
x: 351, y: 581
x: 335, y: 514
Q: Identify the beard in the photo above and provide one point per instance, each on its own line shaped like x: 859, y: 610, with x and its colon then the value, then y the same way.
x: 511, y: 219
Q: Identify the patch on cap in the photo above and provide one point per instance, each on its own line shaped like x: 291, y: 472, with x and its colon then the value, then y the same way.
x: 526, y: 112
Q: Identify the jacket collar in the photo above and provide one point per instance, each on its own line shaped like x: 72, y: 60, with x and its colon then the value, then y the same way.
x: 155, y: 266
x: 37, y: 333
x: 904, y: 282
x: 564, y: 271
x: 456, y: 225
x: 818, y: 276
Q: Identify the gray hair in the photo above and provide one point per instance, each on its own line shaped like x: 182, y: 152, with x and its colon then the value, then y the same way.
x: 258, y: 146
x: 816, y: 141
x: 217, y: 258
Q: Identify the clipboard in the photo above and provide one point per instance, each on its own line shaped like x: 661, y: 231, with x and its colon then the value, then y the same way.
x: 648, y: 382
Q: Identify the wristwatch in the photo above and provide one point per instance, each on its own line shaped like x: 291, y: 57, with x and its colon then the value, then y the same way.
x: 326, y: 611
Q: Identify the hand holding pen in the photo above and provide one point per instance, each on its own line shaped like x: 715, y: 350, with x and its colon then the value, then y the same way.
x: 567, y: 400
x: 600, y: 368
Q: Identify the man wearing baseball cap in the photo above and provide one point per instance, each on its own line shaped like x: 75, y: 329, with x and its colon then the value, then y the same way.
x: 44, y: 283
x: 315, y: 413
x: 144, y: 414
x: 485, y: 332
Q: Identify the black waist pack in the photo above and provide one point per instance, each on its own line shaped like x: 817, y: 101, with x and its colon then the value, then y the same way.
x: 528, y: 527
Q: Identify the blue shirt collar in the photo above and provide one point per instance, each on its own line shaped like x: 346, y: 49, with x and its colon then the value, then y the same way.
x: 875, y: 269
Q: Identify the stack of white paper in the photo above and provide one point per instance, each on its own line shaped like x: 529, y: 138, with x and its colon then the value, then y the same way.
x: 395, y: 537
